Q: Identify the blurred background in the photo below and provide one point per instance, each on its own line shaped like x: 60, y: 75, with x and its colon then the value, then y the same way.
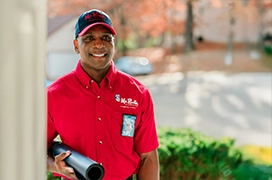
x: 207, y: 63
x: 209, y: 59
x: 222, y: 34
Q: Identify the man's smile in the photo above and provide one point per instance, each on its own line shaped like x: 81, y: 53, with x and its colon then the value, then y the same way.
x: 98, y: 55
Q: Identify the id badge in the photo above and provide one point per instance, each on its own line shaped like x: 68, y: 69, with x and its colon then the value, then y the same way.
x: 128, y: 125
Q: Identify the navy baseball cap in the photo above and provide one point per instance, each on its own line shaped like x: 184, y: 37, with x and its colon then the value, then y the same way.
x: 90, y: 19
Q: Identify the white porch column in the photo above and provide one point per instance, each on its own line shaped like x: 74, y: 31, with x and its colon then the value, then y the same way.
x: 22, y: 92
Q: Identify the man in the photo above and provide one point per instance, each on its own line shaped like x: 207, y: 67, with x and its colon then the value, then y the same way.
x: 101, y: 112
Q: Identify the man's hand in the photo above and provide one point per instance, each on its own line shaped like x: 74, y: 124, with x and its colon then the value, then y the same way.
x: 59, y: 166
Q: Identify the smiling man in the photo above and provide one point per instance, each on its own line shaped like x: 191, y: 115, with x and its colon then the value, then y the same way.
x: 101, y: 112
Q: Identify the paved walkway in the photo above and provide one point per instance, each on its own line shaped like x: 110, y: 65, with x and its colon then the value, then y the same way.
x: 215, y: 103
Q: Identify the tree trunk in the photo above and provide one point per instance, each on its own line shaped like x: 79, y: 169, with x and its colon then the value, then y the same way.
x: 229, y: 55
x: 121, y: 34
x: 261, y: 11
x: 189, y: 44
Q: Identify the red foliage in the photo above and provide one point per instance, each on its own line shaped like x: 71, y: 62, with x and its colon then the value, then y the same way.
x: 151, y: 17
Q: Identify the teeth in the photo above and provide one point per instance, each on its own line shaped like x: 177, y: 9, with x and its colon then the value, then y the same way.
x: 99, y: 55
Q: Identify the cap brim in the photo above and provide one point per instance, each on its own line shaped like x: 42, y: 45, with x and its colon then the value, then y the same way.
x: 94, y: 24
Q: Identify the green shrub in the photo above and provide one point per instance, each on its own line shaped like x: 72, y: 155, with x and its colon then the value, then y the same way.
x: 268, y: 50
x: 188, y: 155
x: 248, y: 170
x: 185, y: 154
x: 51, y: 177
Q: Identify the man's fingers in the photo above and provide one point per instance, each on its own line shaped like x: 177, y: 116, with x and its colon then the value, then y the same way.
x: 62, y: 156
x: 69, y: 172
x: 61, y: 165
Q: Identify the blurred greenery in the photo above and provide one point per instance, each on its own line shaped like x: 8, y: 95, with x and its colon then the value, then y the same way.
x: 186, y: 154
x: 189, y: 155
x: 268, y: 50
x: 51, y: 177
x: 267, y: 59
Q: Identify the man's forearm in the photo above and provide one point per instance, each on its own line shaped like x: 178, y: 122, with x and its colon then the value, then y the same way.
x: 149, y: 167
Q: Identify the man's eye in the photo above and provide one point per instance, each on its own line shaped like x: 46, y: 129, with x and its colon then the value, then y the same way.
x: 88, y: 38
x: 107, y: 38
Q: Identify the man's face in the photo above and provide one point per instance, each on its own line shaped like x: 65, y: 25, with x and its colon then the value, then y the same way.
x: 96, y: 48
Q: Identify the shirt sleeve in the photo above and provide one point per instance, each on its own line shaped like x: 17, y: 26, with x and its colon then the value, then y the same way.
x: 51, y: 130
x: 146, y: 138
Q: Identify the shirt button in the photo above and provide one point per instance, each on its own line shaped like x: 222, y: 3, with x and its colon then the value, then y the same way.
x: 101, y: 164
x: 86, y: 87
x: 100, y: 142
x: 98, y: 97
x: 99, y: 119
x: 92, y: 81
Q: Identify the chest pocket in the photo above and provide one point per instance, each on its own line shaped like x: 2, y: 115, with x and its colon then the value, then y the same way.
x: 122, y: 129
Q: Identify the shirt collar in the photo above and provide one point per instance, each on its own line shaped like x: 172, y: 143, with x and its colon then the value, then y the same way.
x: 85, y: 79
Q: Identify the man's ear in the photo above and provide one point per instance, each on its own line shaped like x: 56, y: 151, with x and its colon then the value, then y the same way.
x: 76, y: 46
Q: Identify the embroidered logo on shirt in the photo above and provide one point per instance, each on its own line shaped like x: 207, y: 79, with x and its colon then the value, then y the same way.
x: 126, y: 101
x: 128, y: 125
x: 117, y: 97
x: 129, y: 102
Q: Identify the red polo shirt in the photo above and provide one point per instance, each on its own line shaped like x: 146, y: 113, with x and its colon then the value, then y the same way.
x: 110, y: 124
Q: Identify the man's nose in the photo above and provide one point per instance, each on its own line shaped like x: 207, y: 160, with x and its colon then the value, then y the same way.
x: 98, y: 43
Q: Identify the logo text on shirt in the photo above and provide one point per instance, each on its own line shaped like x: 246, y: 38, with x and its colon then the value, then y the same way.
x: 126, y: 101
